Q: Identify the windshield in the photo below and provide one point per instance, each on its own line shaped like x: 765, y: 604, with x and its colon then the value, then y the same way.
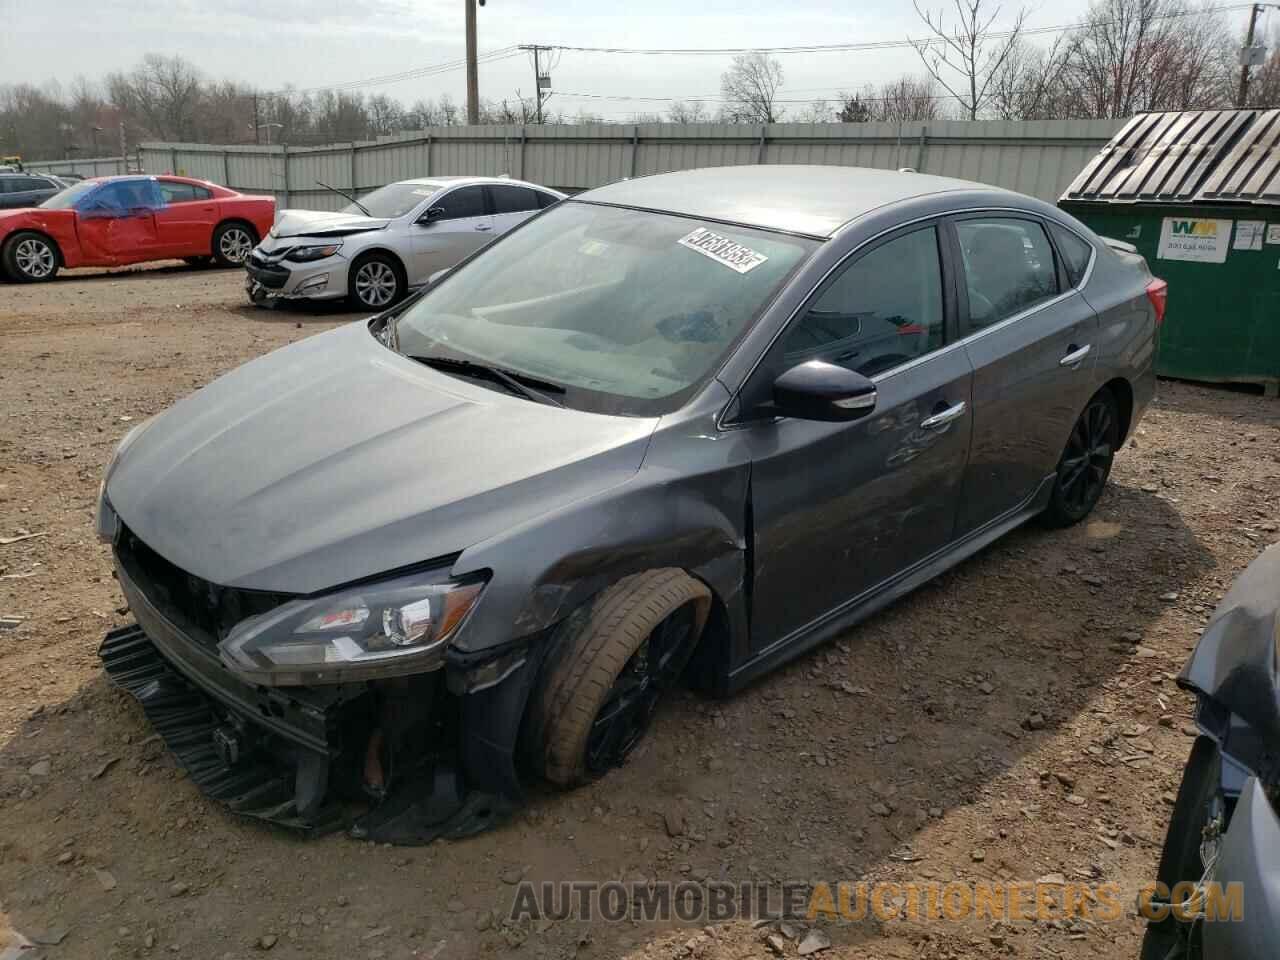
x: 630, y: 311
x: 393, y: 200
x: 67, y: 198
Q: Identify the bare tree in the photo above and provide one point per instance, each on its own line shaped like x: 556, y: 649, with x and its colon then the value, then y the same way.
x: 1032, y: 83
x: 898, y: 101
x: 1134, y: 55
x: 966, y: 58
x: 818, y: 111
x: 750, y: 86
x: 691, y: 111
x: 1264, y: 84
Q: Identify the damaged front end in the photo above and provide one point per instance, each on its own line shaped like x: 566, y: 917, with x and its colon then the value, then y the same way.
x: 349, y: 711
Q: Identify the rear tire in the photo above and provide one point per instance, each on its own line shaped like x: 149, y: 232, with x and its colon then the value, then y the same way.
x: 613, y: 659
x: 1086, y: 462
x: 30, y: 257
x: 376, y: 282
x: 232, y: 243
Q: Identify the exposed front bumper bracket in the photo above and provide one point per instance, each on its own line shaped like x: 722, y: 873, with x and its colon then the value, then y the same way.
x: 182, y: 715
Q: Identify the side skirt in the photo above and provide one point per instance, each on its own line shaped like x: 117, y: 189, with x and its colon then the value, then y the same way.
x: 876, y: 598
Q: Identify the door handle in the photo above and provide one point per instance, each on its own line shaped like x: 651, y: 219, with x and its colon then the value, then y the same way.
x: 483, y: 226
x: 1075, y: 357
x: 943, y: 418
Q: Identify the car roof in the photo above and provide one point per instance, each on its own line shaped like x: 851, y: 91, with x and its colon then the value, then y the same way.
x: 452, y: 181
x: 811, y: 199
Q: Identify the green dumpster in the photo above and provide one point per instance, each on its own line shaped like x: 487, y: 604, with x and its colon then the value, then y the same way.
x: 1198, y: 194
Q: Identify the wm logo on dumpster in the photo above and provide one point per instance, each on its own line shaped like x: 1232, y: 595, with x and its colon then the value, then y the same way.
x: 1195, y: 228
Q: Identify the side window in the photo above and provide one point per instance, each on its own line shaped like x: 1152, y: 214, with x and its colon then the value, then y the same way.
x: 463, y: 202
x: 546, y: 199
x: 513, y: 199
x: 1008, y: 267
x: 125, y: 195
x: 175, y: 192
x: 883, y: 310
x: 1075, y: 252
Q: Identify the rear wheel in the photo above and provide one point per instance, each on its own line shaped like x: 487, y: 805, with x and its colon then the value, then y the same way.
x: 376, y: 282
x: 615, y: 659
x: 1086, y: 462
x: 232, y: 243
x: 30, y: 258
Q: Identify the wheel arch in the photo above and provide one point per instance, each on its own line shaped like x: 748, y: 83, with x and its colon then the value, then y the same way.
x: 397, y: 261
x: 1122, y: 390
x: 42, y: 234
x: 228, y: 220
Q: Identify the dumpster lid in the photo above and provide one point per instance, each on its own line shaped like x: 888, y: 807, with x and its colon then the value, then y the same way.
x: 1187, y: 156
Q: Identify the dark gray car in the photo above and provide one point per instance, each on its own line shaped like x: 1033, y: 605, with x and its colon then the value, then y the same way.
x: 681, y: 427
x: 27, y: 189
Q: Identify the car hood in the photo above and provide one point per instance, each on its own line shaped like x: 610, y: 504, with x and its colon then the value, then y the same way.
x: 322, y: 223
x: 335, y: 459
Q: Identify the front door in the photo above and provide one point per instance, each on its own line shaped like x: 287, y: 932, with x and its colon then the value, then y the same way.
x: 463, y: 227
x: 841, y: 509
x: 1032, y: 349
x: 117, y: 223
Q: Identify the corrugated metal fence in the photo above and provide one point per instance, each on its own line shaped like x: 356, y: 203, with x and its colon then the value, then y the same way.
x: 89, y: 167
x: 1035, y: 157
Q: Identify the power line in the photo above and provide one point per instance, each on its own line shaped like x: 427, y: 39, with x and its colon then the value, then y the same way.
x: 415, y: 73
x: 870, y: 44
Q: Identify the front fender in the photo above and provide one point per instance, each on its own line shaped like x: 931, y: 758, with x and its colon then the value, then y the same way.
x: 1234, y: 666
x: 548, y: 566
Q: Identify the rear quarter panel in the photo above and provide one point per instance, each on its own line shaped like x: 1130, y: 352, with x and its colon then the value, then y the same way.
x: 1117, y: 291
x: 260, y: 212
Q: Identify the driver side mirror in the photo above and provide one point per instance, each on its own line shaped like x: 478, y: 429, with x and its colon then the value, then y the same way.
x: 431, y: 216
x: 817, y: 390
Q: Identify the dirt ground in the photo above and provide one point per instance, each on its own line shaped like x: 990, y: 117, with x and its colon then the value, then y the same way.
x: 1014, y: 720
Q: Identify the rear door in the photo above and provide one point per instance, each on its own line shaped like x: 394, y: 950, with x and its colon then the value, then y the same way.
x: 184, y: 224
x: 841, y: 509
x: 1031, y: 341
x: 512, y: 204
x: 465, y: 226
x: 116, y: 224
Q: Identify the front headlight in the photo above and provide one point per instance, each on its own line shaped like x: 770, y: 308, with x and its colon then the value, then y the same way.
x: 307, y: 254
x: 385, y: 629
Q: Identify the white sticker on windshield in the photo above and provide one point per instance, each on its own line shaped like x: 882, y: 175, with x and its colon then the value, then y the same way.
x: 422, y: 193
x: 723, y: 250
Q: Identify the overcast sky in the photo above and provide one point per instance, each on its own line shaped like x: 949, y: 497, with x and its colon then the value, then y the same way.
x: 310, y: 43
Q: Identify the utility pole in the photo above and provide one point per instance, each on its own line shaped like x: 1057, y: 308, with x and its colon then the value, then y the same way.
x: 537, y: 83
x: 124, y: 150
x: 1243, y: 98
x: 256, y: 127
x: 473, y: 68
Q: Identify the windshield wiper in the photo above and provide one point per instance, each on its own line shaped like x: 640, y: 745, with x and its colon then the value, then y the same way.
x: 517, y: 383
x: 346, y: 196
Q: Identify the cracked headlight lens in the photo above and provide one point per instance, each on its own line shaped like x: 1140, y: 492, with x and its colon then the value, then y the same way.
x: 375, y: 630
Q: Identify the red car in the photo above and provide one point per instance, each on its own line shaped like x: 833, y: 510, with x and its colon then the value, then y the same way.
x: 113, y: 221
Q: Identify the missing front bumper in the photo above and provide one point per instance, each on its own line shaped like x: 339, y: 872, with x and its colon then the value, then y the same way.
x: 259, y: 770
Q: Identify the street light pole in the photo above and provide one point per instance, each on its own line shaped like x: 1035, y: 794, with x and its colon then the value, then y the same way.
x: 473, y: 67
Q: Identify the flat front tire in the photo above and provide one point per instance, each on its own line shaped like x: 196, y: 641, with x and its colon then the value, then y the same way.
x: 1086, y: 461
x: 30, y: 258
x: 612, y: 660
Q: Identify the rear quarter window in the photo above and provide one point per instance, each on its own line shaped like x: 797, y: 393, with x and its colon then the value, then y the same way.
x: 1076, y: 253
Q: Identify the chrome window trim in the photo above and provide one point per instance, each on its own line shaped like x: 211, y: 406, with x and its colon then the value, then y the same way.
x: 946, y: 348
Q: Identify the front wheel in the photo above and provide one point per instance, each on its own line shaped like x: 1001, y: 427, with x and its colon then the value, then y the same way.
x: 30, y: 258
x: 1197, y: 806
x: 1086, y: 462
x: 613, y: 660
x: 232, y: 243
x: 376, y: 282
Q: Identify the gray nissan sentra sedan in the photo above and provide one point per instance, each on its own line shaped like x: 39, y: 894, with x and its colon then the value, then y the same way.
x: 677, y: 428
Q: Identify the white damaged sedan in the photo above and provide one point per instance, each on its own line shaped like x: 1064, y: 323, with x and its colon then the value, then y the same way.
x: 375, y: 249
